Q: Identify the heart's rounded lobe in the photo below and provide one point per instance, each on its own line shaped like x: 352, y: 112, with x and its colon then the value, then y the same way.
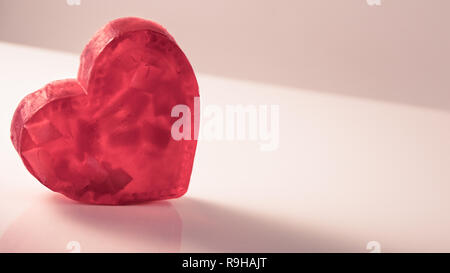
x: 105, y: 137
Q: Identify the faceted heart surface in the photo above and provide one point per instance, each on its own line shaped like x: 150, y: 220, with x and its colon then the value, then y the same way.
x: 105, y: 137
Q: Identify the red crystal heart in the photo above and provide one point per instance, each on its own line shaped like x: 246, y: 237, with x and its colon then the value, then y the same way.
x: 105, y: 137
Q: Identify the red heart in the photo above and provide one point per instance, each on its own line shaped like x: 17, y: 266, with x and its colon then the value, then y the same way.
x: 105, y: 138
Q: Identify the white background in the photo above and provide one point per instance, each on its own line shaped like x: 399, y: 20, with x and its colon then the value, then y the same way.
x: 347, y: 171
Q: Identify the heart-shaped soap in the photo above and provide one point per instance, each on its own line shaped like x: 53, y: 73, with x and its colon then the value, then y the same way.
x: 105, y: 137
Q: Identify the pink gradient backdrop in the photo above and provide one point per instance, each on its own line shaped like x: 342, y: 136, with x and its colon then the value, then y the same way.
x: 397, y: 51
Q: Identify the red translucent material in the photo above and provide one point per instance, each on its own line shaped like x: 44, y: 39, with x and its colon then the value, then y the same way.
x: 105, y: 137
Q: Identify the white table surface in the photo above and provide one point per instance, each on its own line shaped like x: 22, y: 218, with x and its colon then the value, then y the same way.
x: 348, y: 171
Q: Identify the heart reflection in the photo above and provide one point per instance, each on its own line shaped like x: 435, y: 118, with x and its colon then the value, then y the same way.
x: 60, y: 225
